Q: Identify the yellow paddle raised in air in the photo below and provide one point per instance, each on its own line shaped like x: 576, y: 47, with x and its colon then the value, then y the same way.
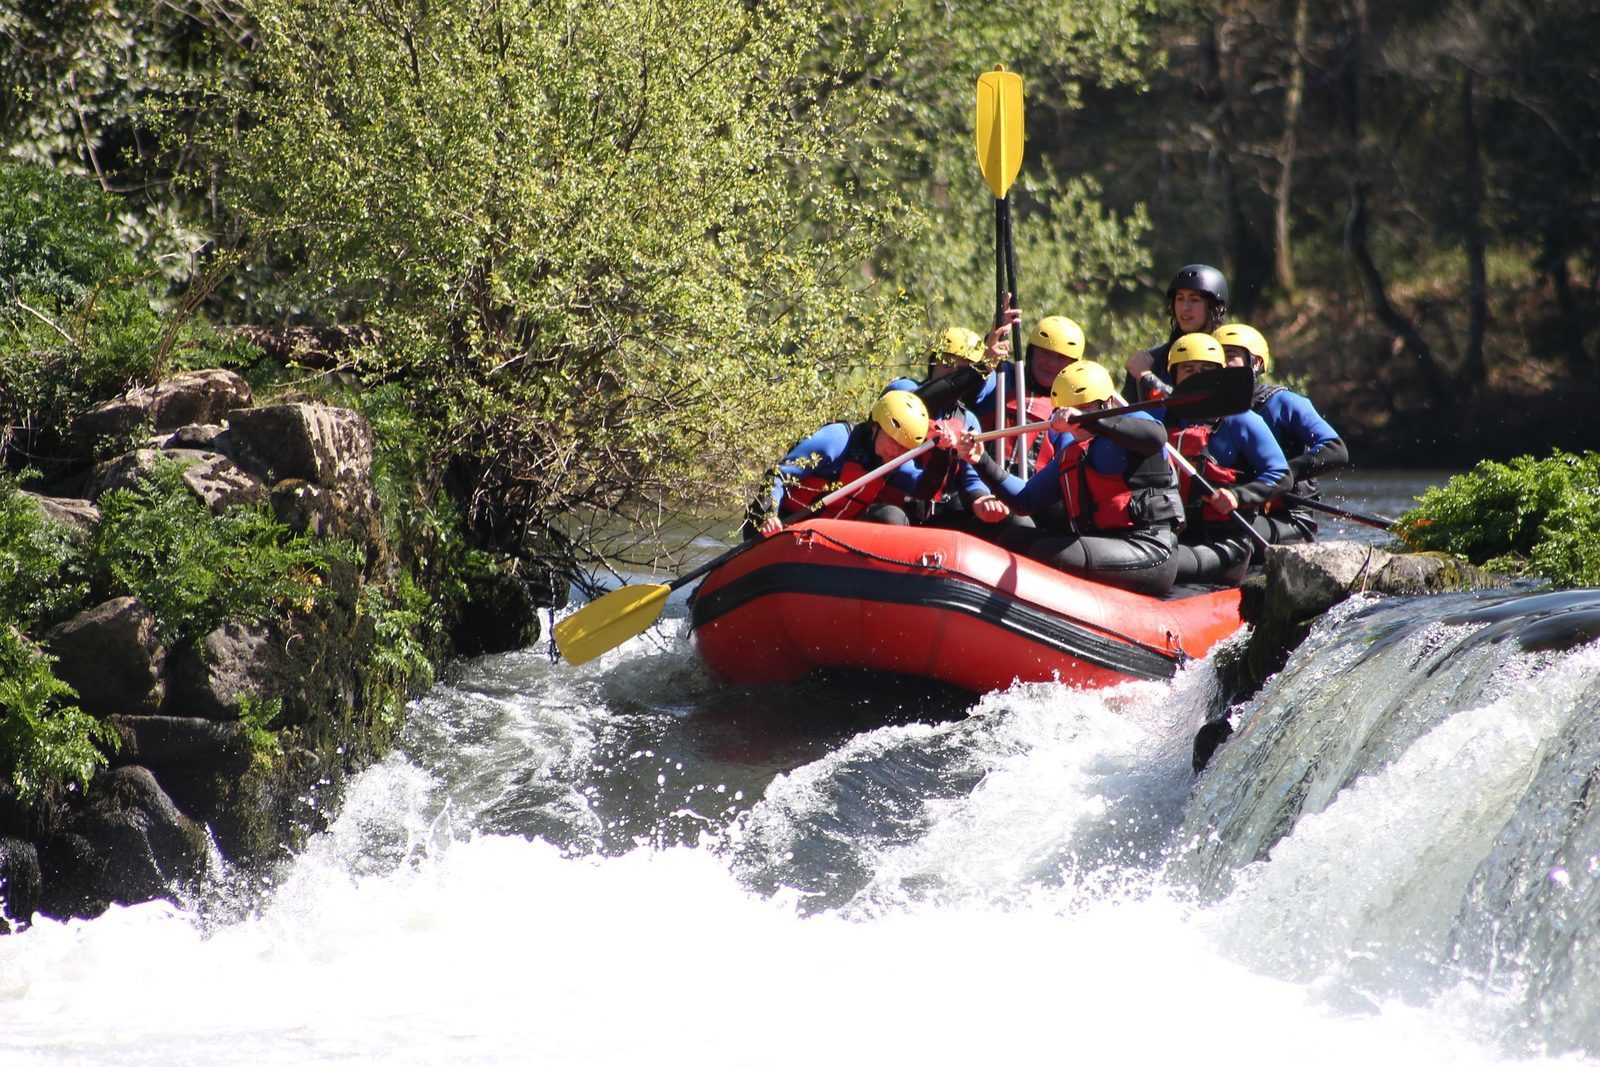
x: 999, y: 129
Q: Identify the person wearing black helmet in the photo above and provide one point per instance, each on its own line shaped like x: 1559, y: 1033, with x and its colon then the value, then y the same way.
x: 1197, y: 302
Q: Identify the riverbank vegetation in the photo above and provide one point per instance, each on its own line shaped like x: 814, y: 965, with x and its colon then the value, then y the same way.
x: 1537, y: 518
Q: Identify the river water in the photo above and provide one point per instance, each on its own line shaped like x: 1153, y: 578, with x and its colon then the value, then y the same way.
x: 1394, y: 859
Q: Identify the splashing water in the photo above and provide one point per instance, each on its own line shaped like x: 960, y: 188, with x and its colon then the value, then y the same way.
x: 1391, y: 859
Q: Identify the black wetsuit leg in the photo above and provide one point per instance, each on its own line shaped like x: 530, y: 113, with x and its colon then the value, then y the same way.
x: 1293, y: 527
x: 1143, y: 561
x: 1215, y: 560
x: 888, y: 514
x: 965, y: 521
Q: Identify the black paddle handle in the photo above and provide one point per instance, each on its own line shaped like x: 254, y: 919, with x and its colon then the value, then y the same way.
x: 1354, y: 516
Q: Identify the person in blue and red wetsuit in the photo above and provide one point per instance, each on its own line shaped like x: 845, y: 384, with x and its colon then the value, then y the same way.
x: 1111, y: 476
x: 949, y: 495
x: 1310, y: 444
x: 838, y: 454
x: 1056, y: 342
x: 1197, y: 302
x: 1235, y: 453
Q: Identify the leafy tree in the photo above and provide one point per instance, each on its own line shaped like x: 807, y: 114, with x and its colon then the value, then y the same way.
x: 86, y: 84
x: 595, y: 240
x: 79, y: 315
x: 1074, y: 255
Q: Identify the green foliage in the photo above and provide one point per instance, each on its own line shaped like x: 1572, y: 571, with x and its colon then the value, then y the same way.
x: 86, y: 84
x: 257, y: 716
x: 195, y: 570
x: 79, y: 312
x: 404, y: 623
x: 1540, y: 516
x: 46, y: 741
x: 593, y: 232
x: 36, y: 586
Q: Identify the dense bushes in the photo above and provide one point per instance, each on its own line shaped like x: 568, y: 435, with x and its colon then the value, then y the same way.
x: 195, y: 570
x: 1530, y: 516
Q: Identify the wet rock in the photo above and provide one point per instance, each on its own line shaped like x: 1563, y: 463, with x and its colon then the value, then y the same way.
x: 146, y: 843
x: 72, y: 876
x: 159, y: 741
x: 1300, y: 582
x: 111, y: 655
x: 501, y: 616
x: 235, y: 660
x: 20, y: 882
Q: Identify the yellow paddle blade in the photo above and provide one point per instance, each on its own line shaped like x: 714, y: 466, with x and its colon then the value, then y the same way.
x: 606, y: 623
x: 999, y: 128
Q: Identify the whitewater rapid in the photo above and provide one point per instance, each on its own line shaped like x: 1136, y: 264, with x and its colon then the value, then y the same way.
x: 992, y: 888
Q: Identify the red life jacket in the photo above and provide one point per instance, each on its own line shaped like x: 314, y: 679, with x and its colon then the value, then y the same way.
x: 1038, y: 444
x: 800, y: 493
x: 1101, y: 501
x: 1194, y: 442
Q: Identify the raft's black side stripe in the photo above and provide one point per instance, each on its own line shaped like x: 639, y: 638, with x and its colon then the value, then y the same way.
x: 937, y: 591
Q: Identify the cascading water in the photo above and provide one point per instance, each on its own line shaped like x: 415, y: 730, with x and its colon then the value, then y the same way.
x: 1393, y: 858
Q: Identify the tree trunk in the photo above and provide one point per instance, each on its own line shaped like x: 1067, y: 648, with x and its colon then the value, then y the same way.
x: 1472, y: 367
x: 1247, y: 252
x: 1356, y: 222
x: 1293, y: 97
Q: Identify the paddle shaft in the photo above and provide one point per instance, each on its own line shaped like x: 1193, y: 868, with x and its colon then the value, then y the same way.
x: 1088, y: 416
x: 1001, y: 302
x: 1377, y: 521
x: 1223, y: 398
x: 1019, y: 358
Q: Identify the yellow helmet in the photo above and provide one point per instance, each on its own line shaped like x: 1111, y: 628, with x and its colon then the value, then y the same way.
x: 1081, y: 383
x: 1060, y: 335
x: 1196, y: 347
x: 1246, y: 337
x: 959, y: 343
x: 903, y: 416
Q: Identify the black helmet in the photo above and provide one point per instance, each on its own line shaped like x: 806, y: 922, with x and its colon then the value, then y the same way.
x: 1202, y: 279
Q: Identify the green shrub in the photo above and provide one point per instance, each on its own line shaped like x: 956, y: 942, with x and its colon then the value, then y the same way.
x: 45, y: 739
x: 36, y: 588
x: 403, y: 624
x: 195, y: 570
x: 1529, y: 516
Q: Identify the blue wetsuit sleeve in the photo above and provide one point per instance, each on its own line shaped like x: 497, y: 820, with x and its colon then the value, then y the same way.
x: 821, y: 454
x: 1262, y: 466
x: 1037, y: 494
x: 1293, y: 418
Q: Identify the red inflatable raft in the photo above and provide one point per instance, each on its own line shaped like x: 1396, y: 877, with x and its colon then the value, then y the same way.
x: 940, y: 605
